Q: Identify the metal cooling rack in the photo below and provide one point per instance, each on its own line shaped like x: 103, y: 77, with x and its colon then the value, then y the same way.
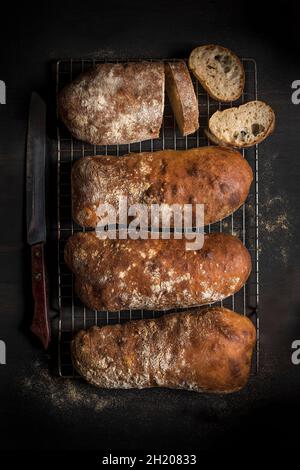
x: 73, y: 315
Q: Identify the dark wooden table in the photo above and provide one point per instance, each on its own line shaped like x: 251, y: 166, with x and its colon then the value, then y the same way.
x: 39, y: 411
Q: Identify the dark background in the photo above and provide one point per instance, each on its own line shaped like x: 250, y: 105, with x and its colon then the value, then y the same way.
x: 38, y: 411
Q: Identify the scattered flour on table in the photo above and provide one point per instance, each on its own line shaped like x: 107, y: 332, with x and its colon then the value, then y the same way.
x: 62, y: 393
x: 275, y: 227
x: 280, y: 223
x: 274, y: 214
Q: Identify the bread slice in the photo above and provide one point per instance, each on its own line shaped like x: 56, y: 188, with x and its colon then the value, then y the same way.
x: 182, y: 96
x: 219, y: 71
x: 244, y: 126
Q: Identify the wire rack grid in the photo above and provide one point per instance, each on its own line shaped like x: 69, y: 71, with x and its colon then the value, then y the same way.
x: 73, y: 315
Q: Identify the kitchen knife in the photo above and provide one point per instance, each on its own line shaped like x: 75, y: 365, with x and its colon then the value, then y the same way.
x: 35, y: 212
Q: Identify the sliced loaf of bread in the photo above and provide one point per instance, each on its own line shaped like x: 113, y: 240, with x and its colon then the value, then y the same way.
x: 182, y: 96
x: 115, y: 103
x: 219, y: 71
x: 243, y: 126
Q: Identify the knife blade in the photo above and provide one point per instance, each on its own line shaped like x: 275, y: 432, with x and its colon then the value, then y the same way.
x: 36, y: 214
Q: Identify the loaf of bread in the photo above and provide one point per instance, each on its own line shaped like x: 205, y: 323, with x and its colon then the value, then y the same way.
x: 155, y: 274
x: 115, y: 103
x: 217, y: 177
x: 181, y: 93
x: 206, y: 350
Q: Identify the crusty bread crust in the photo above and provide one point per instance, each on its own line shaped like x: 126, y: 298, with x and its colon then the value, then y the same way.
x: 202, y: 77
x: 220, y: 140
x: 217, y: 177
x: 155, y: 274
x: 215, y: 140
x: 181, y: 93
x: 115, y: 103
x: 206, y: 350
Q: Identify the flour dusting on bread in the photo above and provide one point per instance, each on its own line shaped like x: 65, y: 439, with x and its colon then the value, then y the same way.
x: 203, y: 350
x: 217, y: 177
x: 115, y: 103
x: 174, y: 277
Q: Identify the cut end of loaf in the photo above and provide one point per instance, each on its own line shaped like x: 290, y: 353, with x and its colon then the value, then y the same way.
x: 181, y: 93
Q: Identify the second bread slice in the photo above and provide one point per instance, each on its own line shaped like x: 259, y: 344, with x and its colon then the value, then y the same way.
x: 244, y: 126
x: 182, y: 96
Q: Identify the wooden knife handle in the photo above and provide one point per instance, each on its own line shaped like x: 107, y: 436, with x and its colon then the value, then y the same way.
x: 40, y: 323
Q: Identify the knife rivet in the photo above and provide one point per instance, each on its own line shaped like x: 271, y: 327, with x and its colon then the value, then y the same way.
x: 38, y: 276
x: 37, y: 253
